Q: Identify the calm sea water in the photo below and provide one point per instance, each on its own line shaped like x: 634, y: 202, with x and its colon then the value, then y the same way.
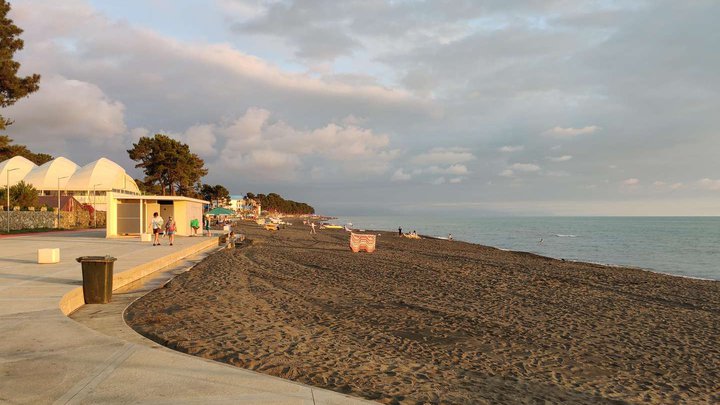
x: 684, y: 246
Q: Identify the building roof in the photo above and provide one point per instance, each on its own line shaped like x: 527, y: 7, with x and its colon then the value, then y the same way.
x: 46, y: 177
x: 121, y: 196
x: 22, y: 165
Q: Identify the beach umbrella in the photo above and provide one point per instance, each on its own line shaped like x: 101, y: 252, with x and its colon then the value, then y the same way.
x: 220, y: 211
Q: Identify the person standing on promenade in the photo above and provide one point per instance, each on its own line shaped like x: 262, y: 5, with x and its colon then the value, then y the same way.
x: 157, y: 224
x: 399, y: 230
x: 312, y: 228
x: 170, y: 229
x: 206, y: 225
x: 194, y: 225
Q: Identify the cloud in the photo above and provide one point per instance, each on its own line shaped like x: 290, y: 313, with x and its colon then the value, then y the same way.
x: 456, y: 180
x: 444, y: 156
x: 67, y: 108
x: 265, y: 148
x: 563, y: 158
x: 507, y: 173
x: 453, y: 169
x: 631, y: 182
x: 400, y: 175
x: 438, y: 181
x: 560, y: 132
x: 511, y: 148
x: 709, y: 184
x: 525, y: 167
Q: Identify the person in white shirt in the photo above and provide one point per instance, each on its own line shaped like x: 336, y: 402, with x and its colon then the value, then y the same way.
x: 157, y: 227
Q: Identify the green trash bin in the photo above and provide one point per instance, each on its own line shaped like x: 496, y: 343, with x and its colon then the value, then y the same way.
x: 97, y: 272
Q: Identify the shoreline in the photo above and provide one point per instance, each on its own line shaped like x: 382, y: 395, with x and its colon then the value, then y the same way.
x: 433, y: 320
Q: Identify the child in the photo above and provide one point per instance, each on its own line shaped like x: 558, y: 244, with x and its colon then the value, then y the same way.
x: 170, y: 229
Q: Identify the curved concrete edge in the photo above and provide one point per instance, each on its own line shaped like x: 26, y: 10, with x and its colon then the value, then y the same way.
x: 74, y: 298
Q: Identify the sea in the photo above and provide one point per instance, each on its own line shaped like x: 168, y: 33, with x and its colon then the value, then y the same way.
x: 680, y: 246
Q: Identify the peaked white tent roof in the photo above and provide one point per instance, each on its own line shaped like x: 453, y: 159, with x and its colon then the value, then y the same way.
x: 104, y: 175
x: 23, y: 165
x: 46, y: 177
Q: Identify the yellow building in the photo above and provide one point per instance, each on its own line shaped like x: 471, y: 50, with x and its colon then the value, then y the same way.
x: 129, y: 214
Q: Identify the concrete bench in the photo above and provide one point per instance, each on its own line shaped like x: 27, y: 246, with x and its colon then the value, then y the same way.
x: 48, y: 255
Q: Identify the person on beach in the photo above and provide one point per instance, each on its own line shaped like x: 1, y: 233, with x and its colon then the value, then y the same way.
x: 399, y: 230
x: 449, y: 236
x: 312, y: 228
x: 157, y: 225
x: 170, y: 228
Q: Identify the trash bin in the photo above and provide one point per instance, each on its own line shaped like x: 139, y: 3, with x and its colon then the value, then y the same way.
x: 97, y: 272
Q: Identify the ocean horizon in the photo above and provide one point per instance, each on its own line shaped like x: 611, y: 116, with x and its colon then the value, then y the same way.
x: 679, y: 246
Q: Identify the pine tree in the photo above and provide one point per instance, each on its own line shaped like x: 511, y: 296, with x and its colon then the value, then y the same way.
x: 12, y: 87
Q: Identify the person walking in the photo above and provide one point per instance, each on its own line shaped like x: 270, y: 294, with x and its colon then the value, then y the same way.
x: 170, y: 228
x: 312, y: 228
x: 399, y: 230
x: 157, y: 226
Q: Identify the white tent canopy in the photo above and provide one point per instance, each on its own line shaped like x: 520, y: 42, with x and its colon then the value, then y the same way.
x: 46, y: 177
x: 22, y: 165
x: 101, y: 175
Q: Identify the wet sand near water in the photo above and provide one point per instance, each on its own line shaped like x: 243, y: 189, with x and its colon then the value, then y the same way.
x: 433, y: 321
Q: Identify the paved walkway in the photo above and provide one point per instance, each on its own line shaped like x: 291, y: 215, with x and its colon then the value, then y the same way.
x: 46, y: 357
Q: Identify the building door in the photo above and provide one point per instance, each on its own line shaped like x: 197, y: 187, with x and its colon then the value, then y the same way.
x: 166, y: 210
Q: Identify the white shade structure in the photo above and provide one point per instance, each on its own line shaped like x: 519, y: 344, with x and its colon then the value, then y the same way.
x: 22, y: 165
x: 102, y: 175
x: 88, y: 184
x: 45, y: 177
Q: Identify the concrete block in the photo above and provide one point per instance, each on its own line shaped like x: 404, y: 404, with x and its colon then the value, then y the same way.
x: 48, y: 255
x: 145, y: 237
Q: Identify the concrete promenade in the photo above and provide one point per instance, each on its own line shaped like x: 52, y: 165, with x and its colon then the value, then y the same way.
x: 46, y: 357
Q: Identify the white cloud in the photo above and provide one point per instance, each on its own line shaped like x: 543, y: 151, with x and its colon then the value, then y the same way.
x: 400, y: 175
x: 563, y: 158
x: 507, y: 173
x: 560, y: 132
x: 201, y: 139
x: 661, y: 185
x: 456, y: 169
x: 456, y: 180
x: 264, y: 148
x: 438, y: 181
x: 631, y: 182
x: 444, y: 156
x: 511, y: 148
x: 709, y: 184
x: 525, y: 167
x: 67, y: 108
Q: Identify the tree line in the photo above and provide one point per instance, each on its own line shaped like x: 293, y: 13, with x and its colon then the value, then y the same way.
x: 274, y: 203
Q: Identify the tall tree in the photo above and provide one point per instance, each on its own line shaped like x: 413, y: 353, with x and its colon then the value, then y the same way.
x: 215, y: 193
x: 12, y: 87
x: 168, y: 163
x: 7, y: 150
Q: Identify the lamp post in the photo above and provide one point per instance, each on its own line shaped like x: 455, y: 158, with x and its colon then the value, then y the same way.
x: 95, y: 209
x: 58, y: 191
x: 8, y: 197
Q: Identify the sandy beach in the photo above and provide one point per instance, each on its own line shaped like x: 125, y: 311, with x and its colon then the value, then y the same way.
x: 434, y: 321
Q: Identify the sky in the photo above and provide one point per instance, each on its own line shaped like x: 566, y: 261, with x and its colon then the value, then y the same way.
x: 466, y: 107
